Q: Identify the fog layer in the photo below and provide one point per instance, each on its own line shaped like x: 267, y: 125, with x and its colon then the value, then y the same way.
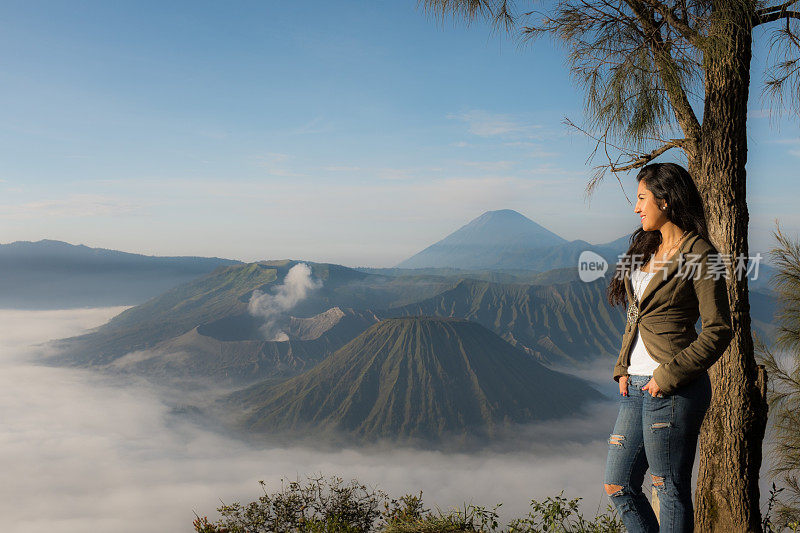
x: 82, y: 452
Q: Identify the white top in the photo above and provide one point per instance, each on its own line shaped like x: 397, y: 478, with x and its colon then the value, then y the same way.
x: 641, y: 363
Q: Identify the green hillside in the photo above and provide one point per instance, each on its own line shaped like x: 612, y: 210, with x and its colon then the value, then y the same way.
x: 556, y: 323
x: 414, y: 378
x: 556, y: 275
x: 222, y: 297
x: 203, y: 327
x: 210, y: 355
x: 225, y: 291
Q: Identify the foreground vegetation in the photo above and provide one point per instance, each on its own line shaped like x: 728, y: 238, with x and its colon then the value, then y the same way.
x: 332, y: 506
x: 782, y: 361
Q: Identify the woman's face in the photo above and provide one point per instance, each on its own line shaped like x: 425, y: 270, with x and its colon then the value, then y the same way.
x: 649, y: 209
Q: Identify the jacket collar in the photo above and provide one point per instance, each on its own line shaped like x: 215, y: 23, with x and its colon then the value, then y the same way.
x: 661, y: 277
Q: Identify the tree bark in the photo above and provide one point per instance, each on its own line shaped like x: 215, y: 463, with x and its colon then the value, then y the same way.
x: 727, y: 496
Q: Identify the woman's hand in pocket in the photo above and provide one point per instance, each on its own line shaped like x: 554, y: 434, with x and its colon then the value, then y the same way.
x: 653, y: 389
x: 623, y: 385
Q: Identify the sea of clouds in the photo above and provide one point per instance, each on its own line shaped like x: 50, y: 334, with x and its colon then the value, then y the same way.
x: 80, y: 451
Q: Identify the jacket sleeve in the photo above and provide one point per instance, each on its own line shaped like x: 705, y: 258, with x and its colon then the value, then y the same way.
x: 619, y: 370
x: 714, y: 338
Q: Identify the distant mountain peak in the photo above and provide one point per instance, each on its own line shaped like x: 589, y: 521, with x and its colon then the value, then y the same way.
x: 483, y: 240
x: 43, y: 243
x: 502, y: 213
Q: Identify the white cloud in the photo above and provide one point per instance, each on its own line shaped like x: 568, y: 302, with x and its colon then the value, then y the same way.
x: 792, y: 142
x: 487, y: 124
x: 324, y: 220
x: 766, y: 112
x: 73, y: 205
x: 384, y: 173
x: 567, y: 176
x: 278, y: 164
x: 341, y: 168
x: 80, y: 452
x: 394, y: 173
x: 533, y: 149
x: 490, y: 166
x: 314, y: 126
x: 758, y: 113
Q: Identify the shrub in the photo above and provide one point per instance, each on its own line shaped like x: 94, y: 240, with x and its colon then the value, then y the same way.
x: 319, y: 506
x: 782, y: 523
x: 331, y: 506
x: 557, y: 515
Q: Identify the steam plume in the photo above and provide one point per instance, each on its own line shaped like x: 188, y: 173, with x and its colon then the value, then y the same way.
x: 270, y: 306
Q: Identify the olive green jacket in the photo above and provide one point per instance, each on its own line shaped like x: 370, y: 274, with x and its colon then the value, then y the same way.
x: 669, y: 308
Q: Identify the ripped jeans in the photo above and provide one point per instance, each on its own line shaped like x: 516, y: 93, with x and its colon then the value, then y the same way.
x: 659, y: 433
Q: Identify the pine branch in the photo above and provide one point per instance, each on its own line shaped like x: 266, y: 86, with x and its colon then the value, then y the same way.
x: 667, y: 70
x: 681, y: 25
x: 771, y: 17
x: 773, y: 13
x: 646, y: 158
x: 780, y: 7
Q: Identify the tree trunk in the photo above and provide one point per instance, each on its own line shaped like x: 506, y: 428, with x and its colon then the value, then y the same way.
x: 727, y: 497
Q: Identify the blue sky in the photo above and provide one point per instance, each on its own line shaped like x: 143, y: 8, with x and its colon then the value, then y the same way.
x: 353, y: 132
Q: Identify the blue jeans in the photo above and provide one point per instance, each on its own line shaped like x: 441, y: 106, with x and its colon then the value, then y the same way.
x: 659, y: 433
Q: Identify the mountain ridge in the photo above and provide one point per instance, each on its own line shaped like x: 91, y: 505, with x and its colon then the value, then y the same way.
x: 52, y: 274
x: 417, y: 378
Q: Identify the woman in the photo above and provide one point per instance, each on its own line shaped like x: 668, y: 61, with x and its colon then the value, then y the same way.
x: 670, y: 276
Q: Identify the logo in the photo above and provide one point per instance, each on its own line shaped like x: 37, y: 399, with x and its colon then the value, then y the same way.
x: 591, y: 266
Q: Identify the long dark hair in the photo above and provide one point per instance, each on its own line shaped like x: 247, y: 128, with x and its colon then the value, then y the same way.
x: 670, y: 182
